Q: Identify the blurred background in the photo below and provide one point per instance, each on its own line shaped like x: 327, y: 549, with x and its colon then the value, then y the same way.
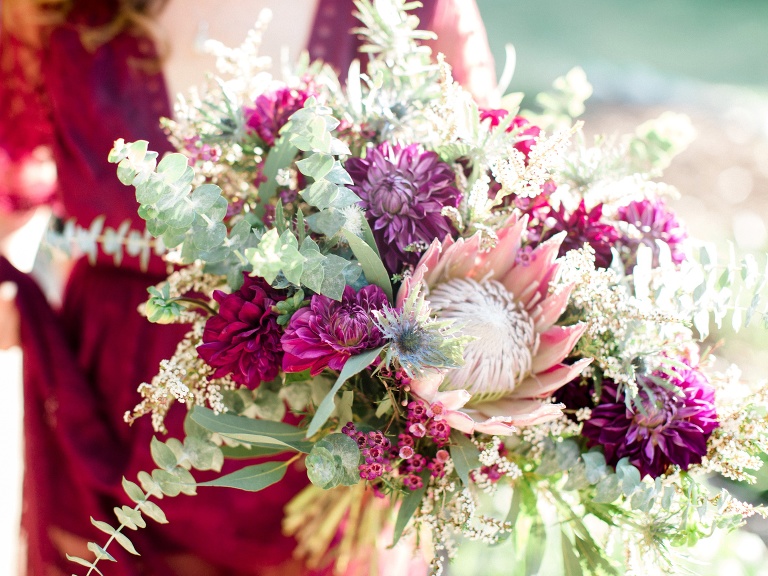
x: 705, y: 58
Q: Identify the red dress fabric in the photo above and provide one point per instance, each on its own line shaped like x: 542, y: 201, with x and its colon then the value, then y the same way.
x: 82, y: 365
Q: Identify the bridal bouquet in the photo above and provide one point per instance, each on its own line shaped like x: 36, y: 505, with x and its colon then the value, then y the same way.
x: 467, y: 322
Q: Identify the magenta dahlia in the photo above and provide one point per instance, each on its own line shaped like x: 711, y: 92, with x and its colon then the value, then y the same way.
x: 272, y: 110
x: 673, y: 427
x: 527, y: 132
x: 327, y: 332
x: 583, y: 226
x: 403, y: 190
x: 243, y: 339
x: 650, y: 221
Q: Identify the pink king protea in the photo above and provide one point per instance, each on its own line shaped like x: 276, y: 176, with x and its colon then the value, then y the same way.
x: 503, y: 301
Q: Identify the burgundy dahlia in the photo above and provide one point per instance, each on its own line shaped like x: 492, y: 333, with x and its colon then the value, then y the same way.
x: 583, y: 226
x: 673, y: 430
x: 243, y: 339
x: 272, y: 110
x: 327, y: 332
x: 651, y: 221
x: 403, y: 190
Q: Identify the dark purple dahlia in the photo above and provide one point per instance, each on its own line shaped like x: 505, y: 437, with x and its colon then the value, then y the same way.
x: 327, y: 332
x: 674, y: 429
x: 583, y: 226
x: 403, y: 190
x: 243, y: 339
x: 272, y: 110
x: 651, y: 221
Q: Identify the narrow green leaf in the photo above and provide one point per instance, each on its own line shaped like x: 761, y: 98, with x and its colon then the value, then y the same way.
x: 353, y: 365
x: 368, y: 237
x: 261, y: 433
x: 133, y: 491
x: 83, y: 562
x: 249, y: 451
x: 571, y: 564
x: 252, y: 478
x: 408, y: 507
x: 372, y: 265
x: 465, y: 455
x: 100, y: 553
x: 153, y: 511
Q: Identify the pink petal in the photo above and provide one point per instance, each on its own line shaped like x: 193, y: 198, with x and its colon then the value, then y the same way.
x: 495, y: 427
x: 452, y: 400
x: 555, y: 344
x: 543, y: 384
x: 460, y: 421
x: 550, y: 309
x: 520, y: 279
x: 426, y: 387
x: 499, y: 261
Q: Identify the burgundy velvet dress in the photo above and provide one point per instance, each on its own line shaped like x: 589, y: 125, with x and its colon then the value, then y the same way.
x: 82, y: 364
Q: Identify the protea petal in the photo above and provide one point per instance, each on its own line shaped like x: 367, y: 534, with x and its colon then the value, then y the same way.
x: 542, y: 384
x: 521, y: 278
x: 551, y: 308
x: 556, y: 344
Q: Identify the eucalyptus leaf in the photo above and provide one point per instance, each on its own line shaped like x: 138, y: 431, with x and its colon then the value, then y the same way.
x: 153, y: 511
x: 100, y: 553
x: 84, y: 562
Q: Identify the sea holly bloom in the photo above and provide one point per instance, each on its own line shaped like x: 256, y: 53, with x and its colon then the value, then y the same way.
x: 243, y: 339
x: 515, y: 361
x: 326, y: 333
x: 650, y: 221
x: 672, y: 428
x: 403, y: 190
x: 583, y: 226
x: 272, y: 110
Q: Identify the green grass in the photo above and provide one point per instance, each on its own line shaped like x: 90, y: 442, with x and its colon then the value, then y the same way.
x: 718, y: 41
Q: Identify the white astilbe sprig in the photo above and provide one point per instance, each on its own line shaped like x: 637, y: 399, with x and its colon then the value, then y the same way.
x: 736, y: 444
x: 620, y: 327
x: 184, y: 378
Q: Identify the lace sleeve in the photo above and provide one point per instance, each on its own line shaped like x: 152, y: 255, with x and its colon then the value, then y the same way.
x: 27, y: 170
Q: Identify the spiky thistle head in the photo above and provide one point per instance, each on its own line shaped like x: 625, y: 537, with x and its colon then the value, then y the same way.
x: 418, y: 342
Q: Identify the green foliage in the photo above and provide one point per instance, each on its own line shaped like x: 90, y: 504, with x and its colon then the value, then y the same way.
x: 261, y: 433
x: 252, y: 478
x: 160, y: 308
x: 353, y: 365
x: 465, y: 455
x: 334, y: 461
x: 173, y: 211
x: 408, y: 506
